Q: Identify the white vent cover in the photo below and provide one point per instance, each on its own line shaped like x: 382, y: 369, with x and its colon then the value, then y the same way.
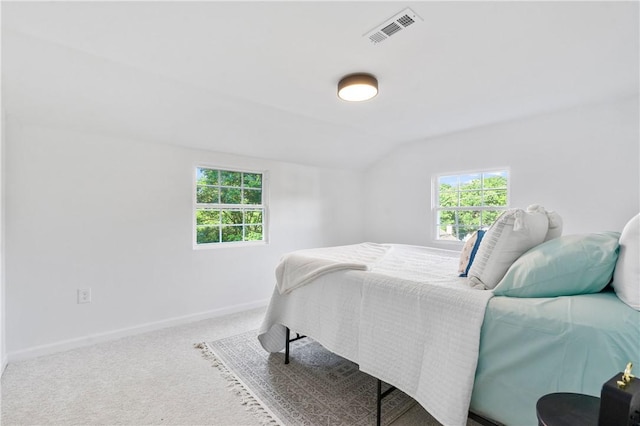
x: 393, y: 26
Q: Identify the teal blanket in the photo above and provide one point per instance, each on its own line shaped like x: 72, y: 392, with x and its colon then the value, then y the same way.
x: 533, y: 346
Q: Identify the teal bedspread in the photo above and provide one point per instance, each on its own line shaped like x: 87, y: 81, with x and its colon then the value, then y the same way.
x: 533, y: 346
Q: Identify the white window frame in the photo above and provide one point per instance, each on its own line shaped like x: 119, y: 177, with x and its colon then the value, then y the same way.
x: 263, y: 206
x: 435, y: 201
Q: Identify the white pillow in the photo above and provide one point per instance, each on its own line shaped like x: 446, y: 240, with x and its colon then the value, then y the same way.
x: 512, y: 234
x: 555, y: 226
x: 626, y: 276
x: 555, y: 221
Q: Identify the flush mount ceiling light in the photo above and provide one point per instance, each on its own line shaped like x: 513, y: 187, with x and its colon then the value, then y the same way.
x: 357, y: 87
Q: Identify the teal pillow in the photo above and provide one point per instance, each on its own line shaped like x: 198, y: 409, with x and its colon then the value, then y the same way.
x: 564, y: 266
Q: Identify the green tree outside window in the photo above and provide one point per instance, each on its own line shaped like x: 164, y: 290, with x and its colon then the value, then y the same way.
x: 468, y: 202
x: 229, y: 206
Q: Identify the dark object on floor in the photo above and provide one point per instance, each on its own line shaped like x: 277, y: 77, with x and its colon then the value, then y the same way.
x: 618, y: 405
x: 568, y: 409
x: 620, y: 402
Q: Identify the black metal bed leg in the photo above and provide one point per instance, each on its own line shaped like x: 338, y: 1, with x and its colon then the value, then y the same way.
x: 288, y: 341
x: 286, y: 347
x: 380, y: 395
x: 379, y: 403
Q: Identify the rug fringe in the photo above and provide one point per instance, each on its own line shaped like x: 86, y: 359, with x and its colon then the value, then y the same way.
x: 236, y: 386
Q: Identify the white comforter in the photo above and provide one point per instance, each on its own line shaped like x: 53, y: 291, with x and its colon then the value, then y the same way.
x: 407, y: 320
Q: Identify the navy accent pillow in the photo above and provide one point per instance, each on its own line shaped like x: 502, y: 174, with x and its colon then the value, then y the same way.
x: 480, y: 233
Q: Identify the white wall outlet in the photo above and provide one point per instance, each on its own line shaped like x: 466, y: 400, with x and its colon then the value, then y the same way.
x: 84, y: 295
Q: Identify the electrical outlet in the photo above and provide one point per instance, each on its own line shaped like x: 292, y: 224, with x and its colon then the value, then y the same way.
x: 84, y: 295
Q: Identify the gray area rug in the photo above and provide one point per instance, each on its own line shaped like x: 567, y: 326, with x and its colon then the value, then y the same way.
x: 317, y: 387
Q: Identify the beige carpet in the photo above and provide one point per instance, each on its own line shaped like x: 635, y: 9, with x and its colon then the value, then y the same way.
x: 155, y: 378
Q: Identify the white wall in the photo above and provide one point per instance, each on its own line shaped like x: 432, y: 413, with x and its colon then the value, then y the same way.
x: 84, y: 210
x: 115, y: 215
x: 582, y: 163
x: 3, y: 344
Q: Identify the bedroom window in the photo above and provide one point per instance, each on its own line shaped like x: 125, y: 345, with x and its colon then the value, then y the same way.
x: 467, y: 202
x: 229, y: 207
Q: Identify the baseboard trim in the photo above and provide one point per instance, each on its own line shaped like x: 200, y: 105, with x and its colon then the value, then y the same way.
x: 66, y: 345
x: 5, y: 362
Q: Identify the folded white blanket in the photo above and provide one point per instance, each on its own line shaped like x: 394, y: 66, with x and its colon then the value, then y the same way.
x: 303, y: 266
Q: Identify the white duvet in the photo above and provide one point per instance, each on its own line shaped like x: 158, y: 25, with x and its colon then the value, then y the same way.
x: 407, y: 319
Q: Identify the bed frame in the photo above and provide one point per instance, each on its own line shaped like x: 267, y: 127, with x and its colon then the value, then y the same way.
x: 380, y: 395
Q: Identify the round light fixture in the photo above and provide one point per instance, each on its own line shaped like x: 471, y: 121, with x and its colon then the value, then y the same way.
x: 357, y: 87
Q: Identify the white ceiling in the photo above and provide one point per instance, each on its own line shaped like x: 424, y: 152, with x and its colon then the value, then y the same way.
x: 259, y: 78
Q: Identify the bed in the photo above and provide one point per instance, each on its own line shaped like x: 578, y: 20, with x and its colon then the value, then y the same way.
x: 404, y: 317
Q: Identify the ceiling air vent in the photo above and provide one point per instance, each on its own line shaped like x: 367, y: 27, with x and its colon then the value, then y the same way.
x: 393, y: 26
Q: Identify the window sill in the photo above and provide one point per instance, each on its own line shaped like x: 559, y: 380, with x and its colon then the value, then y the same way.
x: 216, y: 246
